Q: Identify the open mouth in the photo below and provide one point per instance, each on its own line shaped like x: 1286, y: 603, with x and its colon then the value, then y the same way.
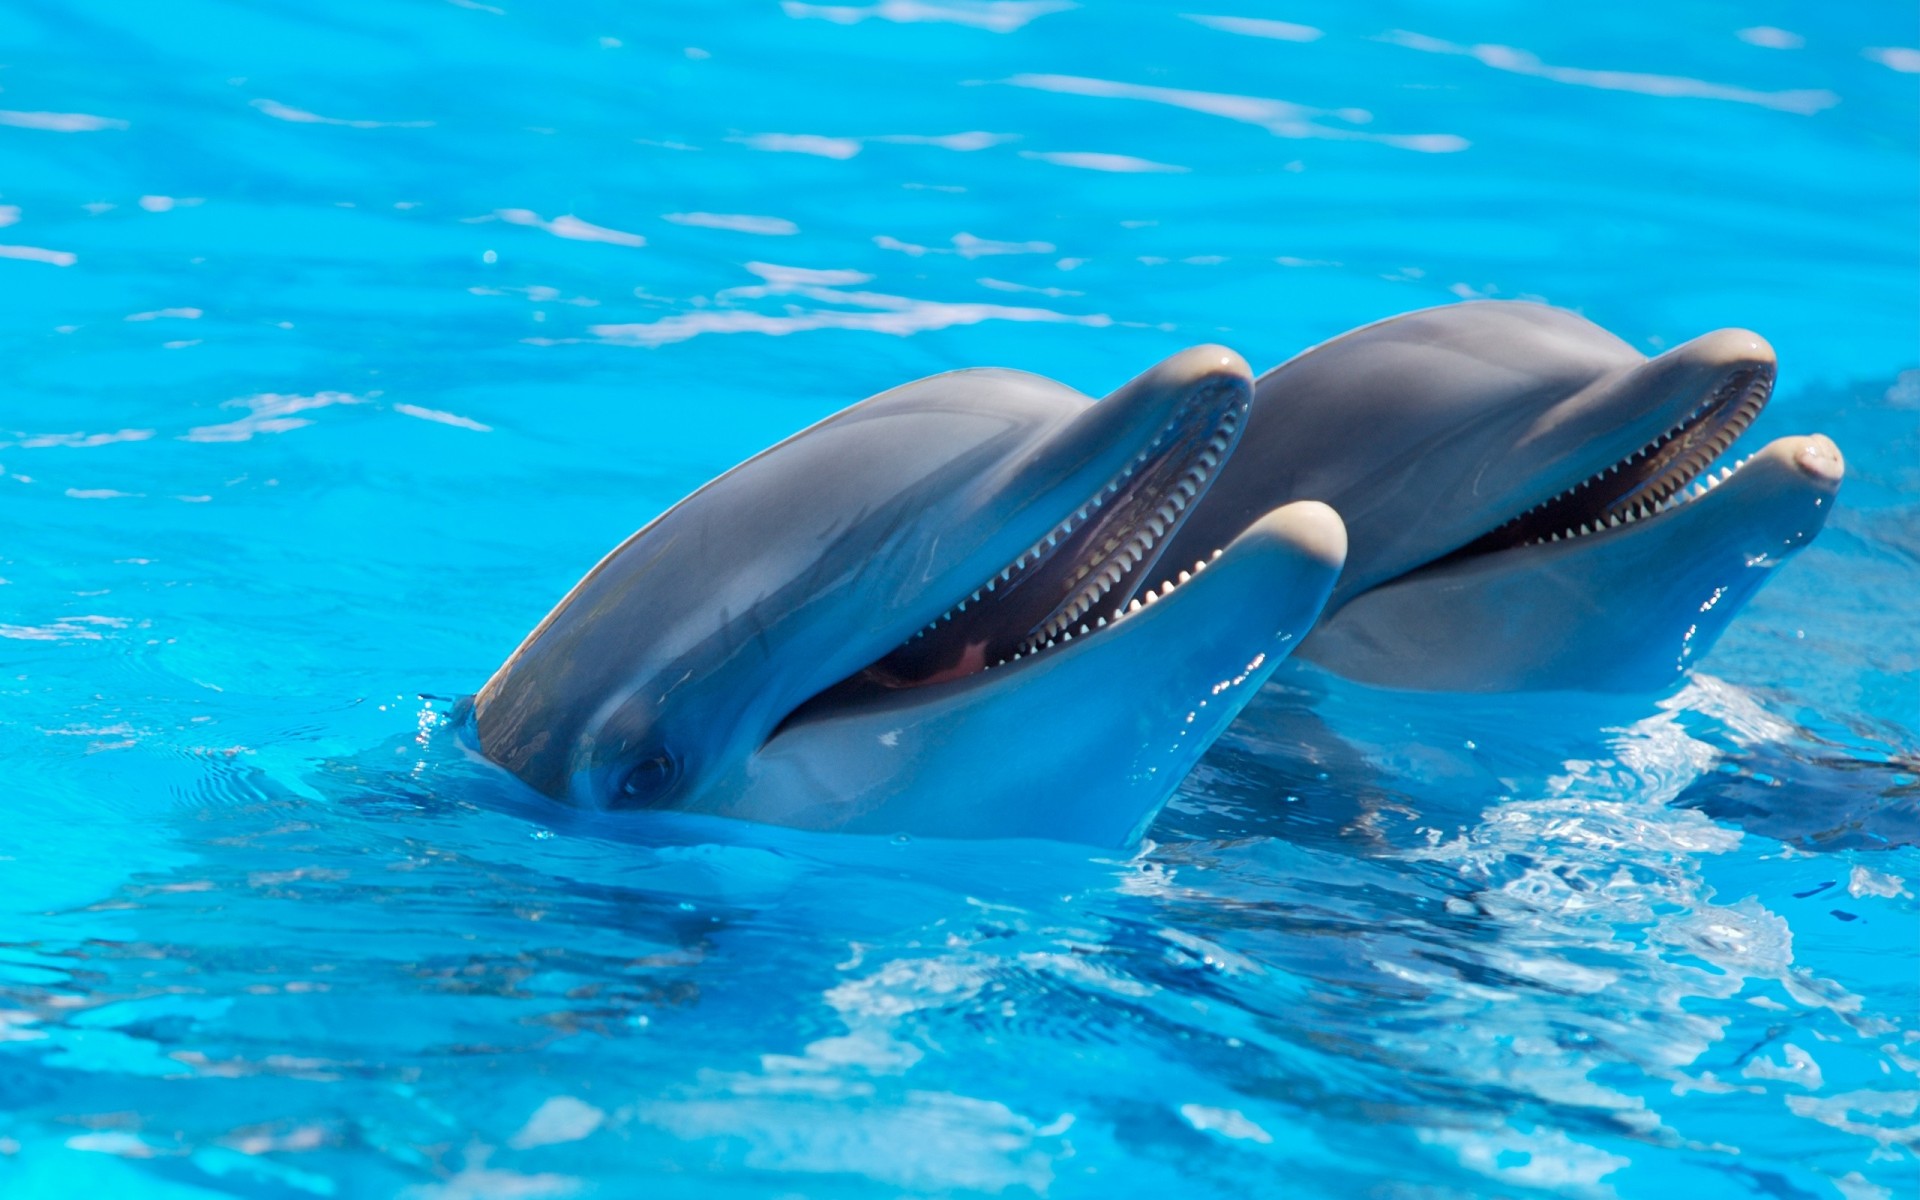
x: 1669, y: 471
x: 1097, y: 565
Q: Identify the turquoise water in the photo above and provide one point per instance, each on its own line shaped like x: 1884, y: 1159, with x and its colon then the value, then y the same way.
x: 341, y: 339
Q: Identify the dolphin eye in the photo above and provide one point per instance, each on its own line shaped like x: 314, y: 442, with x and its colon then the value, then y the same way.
x: 649, y: 782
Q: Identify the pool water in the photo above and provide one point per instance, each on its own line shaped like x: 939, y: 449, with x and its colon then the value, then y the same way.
x: 340, y: 339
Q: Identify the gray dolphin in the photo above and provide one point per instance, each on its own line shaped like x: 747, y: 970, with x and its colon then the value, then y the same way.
x: 1531, y: 502
x: 913, y: 617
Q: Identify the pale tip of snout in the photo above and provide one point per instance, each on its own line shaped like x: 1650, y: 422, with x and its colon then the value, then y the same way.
x: 1310, y: 529
x: 1820, y: 459
x: 1728, y: 349
x: 1197, y: 363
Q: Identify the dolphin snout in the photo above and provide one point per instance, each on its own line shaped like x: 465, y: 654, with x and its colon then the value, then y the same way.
x: 1725, y: 349
x: 1819, y: 459
x: 1194, y: 365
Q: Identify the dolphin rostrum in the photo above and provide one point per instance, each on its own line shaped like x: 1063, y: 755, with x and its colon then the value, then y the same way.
x: 945, y: 610
x: 1531, y: 503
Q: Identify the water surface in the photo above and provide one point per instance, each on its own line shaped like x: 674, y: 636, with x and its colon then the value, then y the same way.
x: 341, y: 340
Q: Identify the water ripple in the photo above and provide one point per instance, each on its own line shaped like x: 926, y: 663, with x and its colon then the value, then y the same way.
x: 1804, y: 101
x: 1282, y: 118
x: 995, y: 16
x: 866, y: 311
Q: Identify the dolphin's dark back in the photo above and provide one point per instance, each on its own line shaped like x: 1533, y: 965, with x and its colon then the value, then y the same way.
x: 1397, y: 411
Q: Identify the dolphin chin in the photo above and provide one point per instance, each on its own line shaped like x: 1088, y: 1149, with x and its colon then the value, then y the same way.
x: 1510, y: 475
x: 1626, y: 607
x: 934, y: 553
x: 1144, y: 696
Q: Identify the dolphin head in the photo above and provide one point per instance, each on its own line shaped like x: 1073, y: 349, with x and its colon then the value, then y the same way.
x: 1530, y: 501
x: 948, y: 535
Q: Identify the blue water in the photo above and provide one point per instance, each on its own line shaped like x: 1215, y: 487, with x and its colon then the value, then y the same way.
x: 340, y: 339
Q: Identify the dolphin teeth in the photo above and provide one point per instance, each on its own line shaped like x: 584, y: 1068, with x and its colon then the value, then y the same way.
x: 1082, y: 514
x: 1583, y: 529
x: 1725, y: 472
x: 1166, y: 589
x: 1556, y: 537
x: 1100, y: 624
x: 1216, y: 554
x: 1135, y: 606
x: 1613, y: 522
x: 1083, y: 631
x: 1185, y: 576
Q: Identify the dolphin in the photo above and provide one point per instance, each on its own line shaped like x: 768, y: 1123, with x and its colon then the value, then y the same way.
x: 943, y: 611
x: 1532, y: 504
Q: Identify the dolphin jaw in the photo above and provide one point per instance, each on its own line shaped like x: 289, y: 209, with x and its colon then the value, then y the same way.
x: 1666, y: 472
x: 1100, y: 554
x: 1090, y: 623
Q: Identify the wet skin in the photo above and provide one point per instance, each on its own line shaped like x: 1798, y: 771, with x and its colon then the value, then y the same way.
x: 1531, y: 503
x: 927, y: 614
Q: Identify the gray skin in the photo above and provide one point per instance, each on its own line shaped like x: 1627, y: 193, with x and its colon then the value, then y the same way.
x: 816, y: 638
x: 1453, y: 440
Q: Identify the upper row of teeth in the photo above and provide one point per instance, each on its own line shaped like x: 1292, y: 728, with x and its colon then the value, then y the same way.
x: 1152, y: 597
x: 1178, y: 498
x: 1138, y: 543
x: 1628, y: 461
x: 1657, y: 502
x: 1039, y: 549
x: 1645, y: 508
x: 1729, y: 433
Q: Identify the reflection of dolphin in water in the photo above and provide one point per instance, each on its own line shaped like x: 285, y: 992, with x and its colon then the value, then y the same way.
x: 1530, y: 500
x: 914, y: 616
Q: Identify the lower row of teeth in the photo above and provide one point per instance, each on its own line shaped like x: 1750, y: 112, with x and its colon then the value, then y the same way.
x: 1645, y: 508
x: 1142, y: 539
x: 1039, y: 548
x: 1152, y: 596
x: 1749, y: 408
